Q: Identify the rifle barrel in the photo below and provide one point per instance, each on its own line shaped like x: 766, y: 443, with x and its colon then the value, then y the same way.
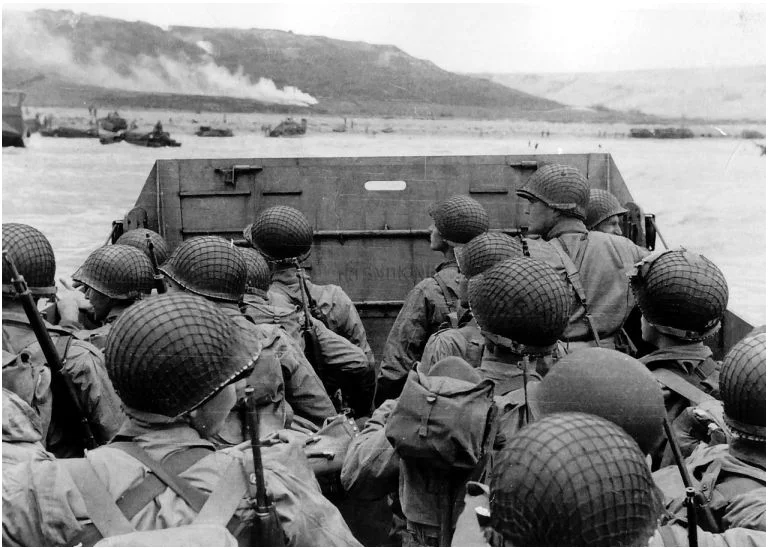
x: 253, y: 419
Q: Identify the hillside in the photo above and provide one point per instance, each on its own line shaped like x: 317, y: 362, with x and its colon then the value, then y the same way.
x: 91, y: 59
x: 732, y: 93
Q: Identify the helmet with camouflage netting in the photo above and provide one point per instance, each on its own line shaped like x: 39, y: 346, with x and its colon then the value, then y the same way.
x: 742, y: 388
x: 485, y: 251
x: 281, y: 233
x: 33, y: 257
x: 521, y: 304
x: 459, y: 218
x: 560, y: 187
x: 118, y: 271
x: 572, y: 479
x: 209, y: 266
x: 608, y: 384
x: 259, y: 276
x: 681, y: 293
x: 138, y: 239
x: 170, y: 354
x: 602, y: 205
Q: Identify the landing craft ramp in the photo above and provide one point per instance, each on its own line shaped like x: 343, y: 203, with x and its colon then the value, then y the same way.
x: 369, y: 213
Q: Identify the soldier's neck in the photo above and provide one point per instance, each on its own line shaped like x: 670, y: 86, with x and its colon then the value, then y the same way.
x: 449, y: 255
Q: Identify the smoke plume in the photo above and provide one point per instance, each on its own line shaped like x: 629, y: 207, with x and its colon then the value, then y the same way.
x: 28, y: 44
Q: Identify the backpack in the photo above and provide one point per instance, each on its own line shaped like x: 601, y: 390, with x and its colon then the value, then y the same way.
x: 443, y: 422
x: 111, y: 519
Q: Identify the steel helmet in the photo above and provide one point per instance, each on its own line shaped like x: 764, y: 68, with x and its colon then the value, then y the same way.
x: 118, y: 271
x: 485, y: 251
x: 209, y: 266
x: 742, y: 388
x: 138, y: 239
x: 681, y: 293
x: 560, y: 187
x: 602, y: 205
x: 521, y: 299
x: 282, y: 232
x: 459, y: 218
x: 170, y: 354
x: 259, y: 276
x: 608, y: 384
x: 33, y: 256
x: 572, y: 479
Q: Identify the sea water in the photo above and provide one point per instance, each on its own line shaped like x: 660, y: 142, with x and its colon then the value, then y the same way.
x: 707, y: 194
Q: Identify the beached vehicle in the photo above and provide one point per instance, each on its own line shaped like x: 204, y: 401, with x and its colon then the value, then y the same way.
x: 370, y: 229
x: 15, y: 132
x: 289, y: 128
x: 113, y: 122
x: 142, y: 139
x: 207, y: 131
x: 640, y: 133
x: 69, y: 132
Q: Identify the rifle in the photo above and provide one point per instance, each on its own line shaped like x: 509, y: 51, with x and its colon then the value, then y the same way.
x: 55, y: 362
x: 159, y: 279
x: 266, y: 529
x: 311, y: 343
x: 693, y: 498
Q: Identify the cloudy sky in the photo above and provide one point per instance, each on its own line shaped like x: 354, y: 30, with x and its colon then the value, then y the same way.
x: 507, y: 37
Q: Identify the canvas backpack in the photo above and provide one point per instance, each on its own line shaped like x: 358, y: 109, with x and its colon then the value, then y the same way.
x: 441, y: 421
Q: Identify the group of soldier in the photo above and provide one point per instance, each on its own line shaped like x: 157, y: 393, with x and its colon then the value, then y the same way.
x: 214, y: 395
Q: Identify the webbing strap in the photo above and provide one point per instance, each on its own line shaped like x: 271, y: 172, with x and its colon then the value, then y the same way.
x: 681, y: 386
x: 451, y: 303
x: 102, y: 510
x: 191, y: 495
x: 226, y: 497
x: 135, y: 499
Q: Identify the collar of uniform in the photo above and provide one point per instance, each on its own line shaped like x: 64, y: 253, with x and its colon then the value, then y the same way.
x: 695, y: 351
x: 255, y: 300
x: 446, y: 264
x: 156, y: 431
x: 229, y: 308
x: 114, y: 313
x: 566, y: 225
x: 288, y: 276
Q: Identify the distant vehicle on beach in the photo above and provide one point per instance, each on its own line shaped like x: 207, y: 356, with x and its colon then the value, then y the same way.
x: 289, y: 128
x: 207, y: 131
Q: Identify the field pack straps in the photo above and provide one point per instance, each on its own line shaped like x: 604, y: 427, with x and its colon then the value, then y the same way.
x: 572, y: 273
x: 681, y: 386
x: 450, y: 299
x: 101, y: 507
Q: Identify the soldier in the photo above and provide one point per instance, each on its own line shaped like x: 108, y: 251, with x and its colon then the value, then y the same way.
x: 604, y: 212
x: 730, y: 475
x: 174, y: 400
x: 683, y: 297
x: 22, y: 428
x: 522, y: 307
x: 83, y: 363
x: 137, y: 238
x: 433, y: 301
x: 605, y: 383
x: 211, y: 267
x: 344, y: 365
x: 595, y: 263
x: 284, y: 233
x: 466, y: 341
x: 114, y: 277
x: 571, y: 479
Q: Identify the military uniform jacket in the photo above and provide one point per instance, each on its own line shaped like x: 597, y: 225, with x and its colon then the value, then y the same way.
x: 424, y: 310
x: 303, y: 389
x: 732, y: 481
x: 345, y: 365
x: 466, y: 342
x: 43, y: 507
x: 602, y: 261
x: 84, y: 366
x: 336, y: 305
x: 22, y: 431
